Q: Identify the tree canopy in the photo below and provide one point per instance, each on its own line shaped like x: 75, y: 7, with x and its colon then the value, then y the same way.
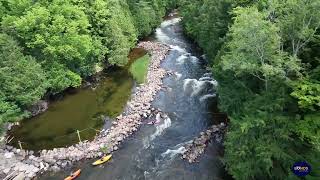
x: 49, y: 46
x: 265, y: 56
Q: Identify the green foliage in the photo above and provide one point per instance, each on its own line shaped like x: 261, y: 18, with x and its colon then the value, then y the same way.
x: 54, y: 32
x: 258, y: 148
x: 207, y: 22
x: 63, y: 42
x: 147, y: 14
x: 256, y: 62
x: 308, y: 94
x: 265, y: 56
x: 144, y: 17
x: 21, y: 79
x: 139, y: 68
x: 9, y: 112
x: 299, y: 21
x: 59, y: 78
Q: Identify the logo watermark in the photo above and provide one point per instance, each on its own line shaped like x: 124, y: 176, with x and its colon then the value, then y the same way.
x: 301, y: 169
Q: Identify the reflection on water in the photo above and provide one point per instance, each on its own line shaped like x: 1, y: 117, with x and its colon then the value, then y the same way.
x: 84, y: 109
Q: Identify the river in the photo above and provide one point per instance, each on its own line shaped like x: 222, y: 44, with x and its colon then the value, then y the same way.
x: 154, y: 151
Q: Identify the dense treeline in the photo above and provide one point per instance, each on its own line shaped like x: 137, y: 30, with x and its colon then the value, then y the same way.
x: 266, y: 58
x: 48, y: 46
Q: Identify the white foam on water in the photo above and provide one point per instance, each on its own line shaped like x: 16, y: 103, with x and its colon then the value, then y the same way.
x: 181, y: 59
x: 146, y: 143
x: 170, y: 22
x: 182, y: 144
x: 146, y: 173
x: 161, y: 128
x: 187, y: 54
x: 194, y: 59
x: 207, y: 75
x: 214, y: 83
x: 205, y: 79
x: 173, y: 152
x: 204, y: 57
x: 197, y: 87
x: 187, y: 83
x: 178, y: 75
x: 207, y: 96
x: 178, y: 48
x: 160, y: 35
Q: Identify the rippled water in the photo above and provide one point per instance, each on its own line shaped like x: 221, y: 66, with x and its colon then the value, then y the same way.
x: 153, y: 153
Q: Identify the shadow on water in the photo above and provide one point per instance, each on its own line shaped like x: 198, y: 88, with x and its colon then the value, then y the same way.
x: 82, y: 109
x: 189, y: 99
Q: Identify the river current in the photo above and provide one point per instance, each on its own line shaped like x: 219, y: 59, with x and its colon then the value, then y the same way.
x: 154, y: 152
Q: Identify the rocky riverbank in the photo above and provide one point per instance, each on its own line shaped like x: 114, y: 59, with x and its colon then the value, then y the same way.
x: 197, y: 147
x: 25, y: 165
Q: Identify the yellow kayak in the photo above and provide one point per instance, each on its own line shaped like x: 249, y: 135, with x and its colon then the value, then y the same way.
x: 102, y: 160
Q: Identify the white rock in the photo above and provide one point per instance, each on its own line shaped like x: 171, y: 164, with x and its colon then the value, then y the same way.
x: 35, y: 170
x: 31, y: 175
x: 158, y: 117
x: 6, y: 171
x: 8, y: 155
x: 41, y: 165
x: 20, y: 176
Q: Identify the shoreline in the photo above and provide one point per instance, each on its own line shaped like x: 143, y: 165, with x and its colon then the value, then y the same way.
x: 23, y: 163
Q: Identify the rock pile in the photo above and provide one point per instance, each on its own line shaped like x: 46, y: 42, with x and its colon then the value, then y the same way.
x: 38, y: 108
x: 195, y: 148
x: 15, y: 162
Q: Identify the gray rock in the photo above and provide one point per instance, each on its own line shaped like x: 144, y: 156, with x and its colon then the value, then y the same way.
x: 35, y: 170
x: 55, y: 168
x: 38, y: 108
x: 9, y: 148
x: 31, y: 175
x: 145, y: 115
x: 8, y: 155
x: 158, y: 117
x: 28, y: 161
x: 50, y: 160
x: 41, y: 165
x: 20, y: 176
x: 64, y: 164
x: 6, y: 171
x: 120, y: 138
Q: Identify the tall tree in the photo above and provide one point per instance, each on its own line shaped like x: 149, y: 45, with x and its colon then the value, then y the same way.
x: 22, y: 80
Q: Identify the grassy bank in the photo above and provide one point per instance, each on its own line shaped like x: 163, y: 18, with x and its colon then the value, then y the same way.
x: 139, y: 68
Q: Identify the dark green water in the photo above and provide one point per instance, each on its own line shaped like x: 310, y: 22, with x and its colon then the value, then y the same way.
x: 84, y: 109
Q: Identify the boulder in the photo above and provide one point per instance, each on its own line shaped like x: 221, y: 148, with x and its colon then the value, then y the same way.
x: 20, y: 176
x: 6, y: 171
x: 8, y: 155
x: 41, y: 165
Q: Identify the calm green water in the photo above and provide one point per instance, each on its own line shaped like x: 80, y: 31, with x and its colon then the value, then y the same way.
x: 84, y: 109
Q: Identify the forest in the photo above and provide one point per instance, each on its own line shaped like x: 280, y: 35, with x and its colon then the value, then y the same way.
x: 265, y: 56
x: 49, y: 46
